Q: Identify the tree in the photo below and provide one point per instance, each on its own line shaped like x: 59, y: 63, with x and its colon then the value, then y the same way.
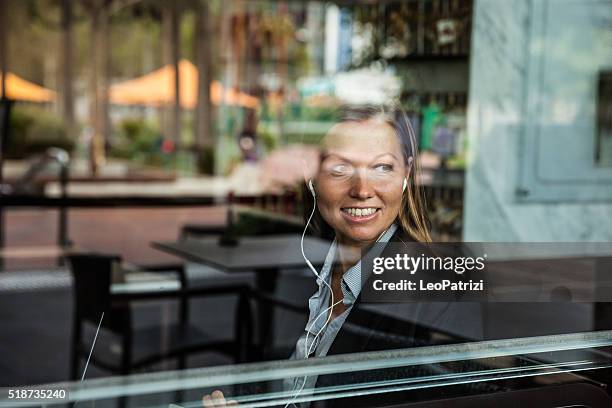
x: 203, y: 58
x: 98, y: 80
x: 66, y: 71
x: 172, y: 54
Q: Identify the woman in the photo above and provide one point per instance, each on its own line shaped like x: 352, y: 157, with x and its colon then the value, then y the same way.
x: 364, y: 191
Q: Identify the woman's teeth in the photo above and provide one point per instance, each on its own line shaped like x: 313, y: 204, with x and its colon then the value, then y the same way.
x: 359, y: 212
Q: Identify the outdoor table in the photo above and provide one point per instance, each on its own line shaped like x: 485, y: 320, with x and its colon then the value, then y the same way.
x: 265, y: 255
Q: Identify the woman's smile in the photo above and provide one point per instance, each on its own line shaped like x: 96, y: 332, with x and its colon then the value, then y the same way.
x: 360, y: 214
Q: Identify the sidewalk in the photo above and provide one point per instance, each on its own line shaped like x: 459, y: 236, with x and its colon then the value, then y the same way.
x: 123, y: 231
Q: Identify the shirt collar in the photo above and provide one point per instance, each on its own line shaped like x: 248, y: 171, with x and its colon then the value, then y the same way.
x: 351, y: 281
x: 352, y: 277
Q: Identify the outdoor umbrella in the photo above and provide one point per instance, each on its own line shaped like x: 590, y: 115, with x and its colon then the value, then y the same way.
x: 19, y: 89
x: 157, y: 88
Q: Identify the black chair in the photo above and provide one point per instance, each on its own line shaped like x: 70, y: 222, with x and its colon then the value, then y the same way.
x: 181, y: 274
x: 121, y: 347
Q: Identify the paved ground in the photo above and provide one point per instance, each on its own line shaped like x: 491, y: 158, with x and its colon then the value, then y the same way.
x: 124, y: 231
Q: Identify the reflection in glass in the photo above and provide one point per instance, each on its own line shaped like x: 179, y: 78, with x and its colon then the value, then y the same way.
x: 543, y: 366
x: 603, y: 152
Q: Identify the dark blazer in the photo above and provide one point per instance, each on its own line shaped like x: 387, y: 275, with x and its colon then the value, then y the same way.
x: 386, y: 326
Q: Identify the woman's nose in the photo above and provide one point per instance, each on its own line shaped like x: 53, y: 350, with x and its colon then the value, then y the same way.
x: 361, y: 187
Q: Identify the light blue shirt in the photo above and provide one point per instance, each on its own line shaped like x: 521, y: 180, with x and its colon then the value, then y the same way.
x: 351, y: 287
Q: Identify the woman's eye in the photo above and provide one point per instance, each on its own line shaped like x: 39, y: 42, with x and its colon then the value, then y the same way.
x: 340, y: 169
x: 384, y: 168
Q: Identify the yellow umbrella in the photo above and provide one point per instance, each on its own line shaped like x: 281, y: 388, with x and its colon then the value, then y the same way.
x: 19, y: 89
x: 157, y: 88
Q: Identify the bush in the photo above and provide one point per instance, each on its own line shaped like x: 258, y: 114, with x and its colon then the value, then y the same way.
x: 136, y: 139
x: 140, y: 136
x: 34, y: 130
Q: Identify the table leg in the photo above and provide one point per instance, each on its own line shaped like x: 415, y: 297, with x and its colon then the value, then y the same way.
x: 265, y: 281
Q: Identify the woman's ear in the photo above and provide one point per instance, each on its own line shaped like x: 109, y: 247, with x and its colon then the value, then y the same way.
x: 310, y: 164
x: 308, y: 171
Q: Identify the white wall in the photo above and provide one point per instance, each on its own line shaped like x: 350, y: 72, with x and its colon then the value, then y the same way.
x: 504, y: 155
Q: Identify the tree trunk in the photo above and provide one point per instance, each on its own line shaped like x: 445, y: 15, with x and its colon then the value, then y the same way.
x: 94, y: 147
x: 203, y: 115
x: 99, y: 84
x: 171, y: 56
x: 164, y: 110
x: 67, y: 98
x: 3, y: 47
x: 104, y: 61
x: 4, y: 108
x: 176, y: 51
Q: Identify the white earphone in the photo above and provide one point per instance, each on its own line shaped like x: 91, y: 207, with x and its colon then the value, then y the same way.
x: 311, y: 188
x: 310, y: 349
x: 307, y: 349
x: 405, y: 184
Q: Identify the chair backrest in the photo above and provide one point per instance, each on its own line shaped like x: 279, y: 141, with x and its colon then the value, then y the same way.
x: 92, y: 274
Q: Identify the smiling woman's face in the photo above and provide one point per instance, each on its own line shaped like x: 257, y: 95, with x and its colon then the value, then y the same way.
x: 360, y: 179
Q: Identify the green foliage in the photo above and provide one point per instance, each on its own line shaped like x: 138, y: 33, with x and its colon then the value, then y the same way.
x: 267, y: 138
x: 135, y: 47
x: 187, y: 128
x: 33, y: 130
x: 138, y: 140
x: 317, y: 113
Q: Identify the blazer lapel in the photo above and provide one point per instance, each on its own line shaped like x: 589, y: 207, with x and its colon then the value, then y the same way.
x: 363, y: 327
